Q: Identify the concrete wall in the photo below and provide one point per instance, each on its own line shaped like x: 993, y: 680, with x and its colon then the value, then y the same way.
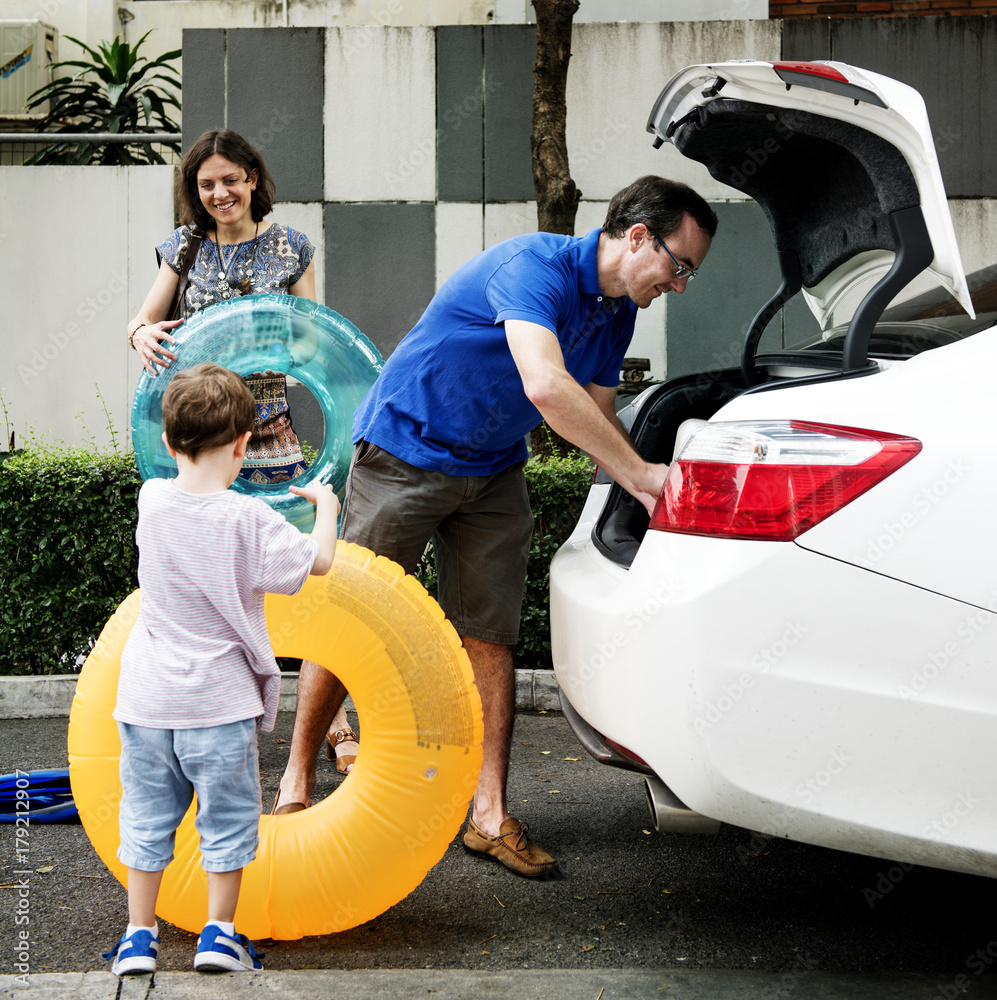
x: 77, y: 258
x: 76, y: 253
x: 95, y: 20
x: 402, y: 151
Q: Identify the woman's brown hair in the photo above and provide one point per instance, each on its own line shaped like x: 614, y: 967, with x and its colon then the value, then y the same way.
x: 233, y: 147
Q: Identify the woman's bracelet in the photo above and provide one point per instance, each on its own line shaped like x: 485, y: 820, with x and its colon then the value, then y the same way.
x: 131, y: 336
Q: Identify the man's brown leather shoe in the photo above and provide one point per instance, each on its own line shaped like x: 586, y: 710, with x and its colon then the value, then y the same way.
x: 513, y: 849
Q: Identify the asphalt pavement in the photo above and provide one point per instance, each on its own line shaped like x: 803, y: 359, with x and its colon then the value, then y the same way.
x: 637, y: 914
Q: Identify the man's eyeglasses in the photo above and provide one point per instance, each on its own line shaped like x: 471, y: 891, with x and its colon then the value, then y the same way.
x: 681, y: 271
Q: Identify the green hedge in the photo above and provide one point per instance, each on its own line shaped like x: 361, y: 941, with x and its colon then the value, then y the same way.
x: 67, y: 554
x: 558, y: 487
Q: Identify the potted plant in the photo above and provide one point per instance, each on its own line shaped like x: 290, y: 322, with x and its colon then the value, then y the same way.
x: 115, y: 90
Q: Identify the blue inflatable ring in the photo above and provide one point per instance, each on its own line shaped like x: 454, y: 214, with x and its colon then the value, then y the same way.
x: 283, y: 333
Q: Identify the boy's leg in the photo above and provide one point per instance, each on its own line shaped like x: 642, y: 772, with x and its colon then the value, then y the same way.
x: 223, y: 895
x: 143, y: 891
x: 220, y: 948
x: 155, y: 795
x: 222, y: 765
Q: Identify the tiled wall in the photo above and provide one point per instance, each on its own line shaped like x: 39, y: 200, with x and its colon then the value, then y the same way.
x: 408, y: 149
x: 404, y: 151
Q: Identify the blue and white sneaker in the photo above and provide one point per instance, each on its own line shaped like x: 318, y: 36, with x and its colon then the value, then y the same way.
x: 134, y: 954
x: 221, y: 952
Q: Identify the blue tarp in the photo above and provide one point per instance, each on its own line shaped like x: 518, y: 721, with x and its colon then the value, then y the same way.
x: 38, y: 796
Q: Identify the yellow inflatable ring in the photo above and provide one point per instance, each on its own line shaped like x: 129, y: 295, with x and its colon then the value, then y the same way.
x: 368, y: 845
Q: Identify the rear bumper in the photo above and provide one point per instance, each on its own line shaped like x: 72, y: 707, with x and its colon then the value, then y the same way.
x: 787, y: 692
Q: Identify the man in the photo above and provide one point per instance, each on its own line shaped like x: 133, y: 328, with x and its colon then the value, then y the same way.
x: 535, y: 327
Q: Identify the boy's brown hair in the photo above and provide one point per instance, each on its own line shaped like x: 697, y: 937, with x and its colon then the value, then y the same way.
x: 205, y: 407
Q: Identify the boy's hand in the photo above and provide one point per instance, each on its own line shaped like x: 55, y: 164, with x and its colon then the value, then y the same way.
x: 324, y: 532
x: 316, y: 493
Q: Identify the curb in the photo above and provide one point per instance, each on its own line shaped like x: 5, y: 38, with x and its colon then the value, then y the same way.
x: 459, y: 984
x: 52, y: 695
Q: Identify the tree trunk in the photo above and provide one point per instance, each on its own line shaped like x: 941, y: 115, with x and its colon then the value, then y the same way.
x: 557, y: 195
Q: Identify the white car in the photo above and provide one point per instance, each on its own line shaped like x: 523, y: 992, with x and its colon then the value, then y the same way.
x: 802, y: 641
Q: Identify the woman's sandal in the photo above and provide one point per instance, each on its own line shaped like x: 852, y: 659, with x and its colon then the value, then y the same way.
x: 332, y: 740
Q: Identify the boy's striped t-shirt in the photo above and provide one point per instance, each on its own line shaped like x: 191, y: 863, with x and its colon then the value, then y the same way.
x: 199, y: 653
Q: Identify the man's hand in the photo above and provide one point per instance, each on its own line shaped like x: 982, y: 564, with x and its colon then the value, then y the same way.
x: 584, y: 416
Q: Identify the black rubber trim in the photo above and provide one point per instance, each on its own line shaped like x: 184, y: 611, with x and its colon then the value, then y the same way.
x: 792, y: 282
x: 594, y: 743
x: 914, y: 254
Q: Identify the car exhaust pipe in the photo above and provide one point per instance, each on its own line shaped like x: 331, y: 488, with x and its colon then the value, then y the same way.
x: 670, y: 815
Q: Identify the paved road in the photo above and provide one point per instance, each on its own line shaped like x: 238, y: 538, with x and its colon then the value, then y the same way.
x: 630, y: 900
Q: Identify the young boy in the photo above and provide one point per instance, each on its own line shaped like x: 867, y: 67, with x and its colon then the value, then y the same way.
x: 198, y: 671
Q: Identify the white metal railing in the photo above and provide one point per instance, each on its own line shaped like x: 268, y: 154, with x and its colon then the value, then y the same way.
x: 48, y: 138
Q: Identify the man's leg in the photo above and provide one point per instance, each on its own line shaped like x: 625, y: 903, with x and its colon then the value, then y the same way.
x: 491, y: 831
x: 320, y: 693
x: 482, y: 552
x: 495, y: 678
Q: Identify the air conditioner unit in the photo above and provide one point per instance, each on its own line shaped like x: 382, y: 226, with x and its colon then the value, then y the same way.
x: 27, y: 50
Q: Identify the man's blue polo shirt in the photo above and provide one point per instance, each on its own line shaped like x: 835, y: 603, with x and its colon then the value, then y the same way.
x: 450, y: 398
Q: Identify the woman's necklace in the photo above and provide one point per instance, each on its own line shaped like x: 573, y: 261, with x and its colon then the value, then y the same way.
x: 247, y: 282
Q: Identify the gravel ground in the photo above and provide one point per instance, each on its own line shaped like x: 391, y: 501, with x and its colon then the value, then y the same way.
x: 629, y: 899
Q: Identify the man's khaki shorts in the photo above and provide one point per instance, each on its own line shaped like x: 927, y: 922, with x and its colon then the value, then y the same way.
x: 480, y: 527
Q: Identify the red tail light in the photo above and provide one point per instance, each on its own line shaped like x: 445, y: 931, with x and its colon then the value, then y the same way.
x: 811, y: 69
x: 773, y: 480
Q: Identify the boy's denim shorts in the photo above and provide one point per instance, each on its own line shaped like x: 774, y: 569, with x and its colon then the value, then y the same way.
x: 161, y: 769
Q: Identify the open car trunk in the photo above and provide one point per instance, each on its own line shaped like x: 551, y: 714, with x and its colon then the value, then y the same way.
x: 621, y: 527
x: 852, y: 192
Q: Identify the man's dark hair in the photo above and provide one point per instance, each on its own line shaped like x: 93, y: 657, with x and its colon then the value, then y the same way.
x: 660, y: 204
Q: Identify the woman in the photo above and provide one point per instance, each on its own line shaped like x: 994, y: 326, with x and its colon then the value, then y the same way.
x: 224, y: 188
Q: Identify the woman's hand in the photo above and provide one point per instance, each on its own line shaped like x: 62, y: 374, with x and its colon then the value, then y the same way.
x: 149, y: 340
